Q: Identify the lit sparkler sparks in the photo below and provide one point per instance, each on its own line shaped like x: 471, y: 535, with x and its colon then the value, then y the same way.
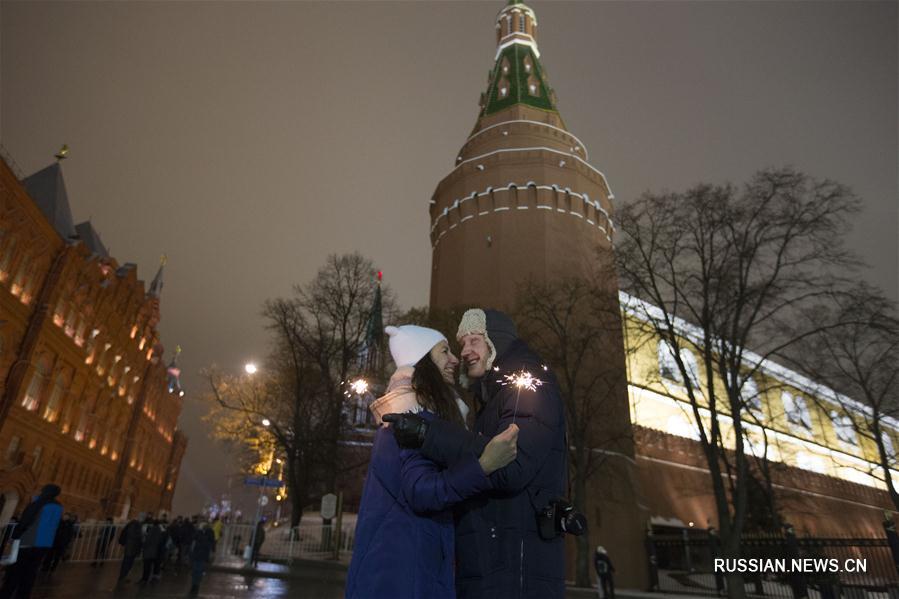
x: 520, y: 380
x: 359, y: 386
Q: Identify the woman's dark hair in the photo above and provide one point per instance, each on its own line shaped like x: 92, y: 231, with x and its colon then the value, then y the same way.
x: 434, y: 393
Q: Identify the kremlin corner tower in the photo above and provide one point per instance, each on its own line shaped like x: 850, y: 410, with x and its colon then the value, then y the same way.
x: 522, y: 200
x: 523, y: 203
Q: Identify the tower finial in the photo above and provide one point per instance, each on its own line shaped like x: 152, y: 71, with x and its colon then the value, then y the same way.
x: 63, y: 153
x: 156, y: 285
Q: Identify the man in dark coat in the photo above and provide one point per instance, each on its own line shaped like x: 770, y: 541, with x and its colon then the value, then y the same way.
x: 152, y: 540
x: 64, y: 535
x: 602, y: 563
x: 132, y: 540
x: 103, y: 540
x: 499, y: 552
x: 35, y: 531
x: 201, y: 551
x: 258, y: 540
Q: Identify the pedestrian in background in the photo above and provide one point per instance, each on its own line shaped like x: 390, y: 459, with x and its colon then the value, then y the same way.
x: 152, y: 539
x: 201, y: 551
x: 64, y: 535
x: 103, y: 540
x: 35, y: 531
x: 132, y: 540
x: 258, y: 540
x: 604, y: 570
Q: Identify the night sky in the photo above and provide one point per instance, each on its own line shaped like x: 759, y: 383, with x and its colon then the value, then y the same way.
x: 247, y: 141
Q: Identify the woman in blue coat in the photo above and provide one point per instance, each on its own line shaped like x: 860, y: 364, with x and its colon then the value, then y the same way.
x: 404, y: 543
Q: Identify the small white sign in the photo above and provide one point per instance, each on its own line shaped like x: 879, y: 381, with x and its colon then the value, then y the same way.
x: 263, y: 500
x: 329, y: 506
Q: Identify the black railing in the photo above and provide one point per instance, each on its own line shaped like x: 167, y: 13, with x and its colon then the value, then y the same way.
x: 774, y: 566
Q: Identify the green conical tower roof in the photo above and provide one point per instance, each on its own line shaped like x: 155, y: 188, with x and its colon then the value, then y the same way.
x: 517, y: 77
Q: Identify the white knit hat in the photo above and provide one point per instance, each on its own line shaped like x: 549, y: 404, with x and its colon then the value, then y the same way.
x: 410, y: 343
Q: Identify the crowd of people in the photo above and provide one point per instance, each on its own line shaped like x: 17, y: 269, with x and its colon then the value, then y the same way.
x: 44, y: 534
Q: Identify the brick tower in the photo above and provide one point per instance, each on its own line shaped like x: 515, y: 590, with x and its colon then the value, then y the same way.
x: 523, y: 202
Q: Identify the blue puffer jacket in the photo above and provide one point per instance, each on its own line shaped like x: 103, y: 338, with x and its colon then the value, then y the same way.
x: 38, y: 524
x: 404, y: 534
x: 499, y: 553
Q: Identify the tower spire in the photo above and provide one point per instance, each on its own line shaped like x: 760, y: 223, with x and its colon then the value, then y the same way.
x: 156, y: 285
x: 517, y: 84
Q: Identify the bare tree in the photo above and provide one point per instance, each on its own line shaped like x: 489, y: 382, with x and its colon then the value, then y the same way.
x: 575, y: 325
x: 319, y: 340
x: 858, y: 361
x: 722, y: 270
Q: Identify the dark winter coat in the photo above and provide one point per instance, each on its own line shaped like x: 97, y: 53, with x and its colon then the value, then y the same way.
x: 64, y: 534
x: 499, y: 552
x: 38, y: 524
x: 152, y: 541
x: 203, y: 545
x: 404, y: 533
x: 131, y: 538
x: 602, y: 563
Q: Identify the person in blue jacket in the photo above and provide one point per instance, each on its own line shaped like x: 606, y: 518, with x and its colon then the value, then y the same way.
x: 502, y: 549
x: 35, y: 531
x: 404, y: 533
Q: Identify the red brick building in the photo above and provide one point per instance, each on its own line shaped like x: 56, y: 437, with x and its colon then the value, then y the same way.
x: 86, y: 400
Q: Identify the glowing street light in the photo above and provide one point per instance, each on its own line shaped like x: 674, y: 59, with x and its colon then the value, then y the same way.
x: 266, y: 422
x: 250, y: 368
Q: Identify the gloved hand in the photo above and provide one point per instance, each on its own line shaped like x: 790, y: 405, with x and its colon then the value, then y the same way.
x: 409, y: 429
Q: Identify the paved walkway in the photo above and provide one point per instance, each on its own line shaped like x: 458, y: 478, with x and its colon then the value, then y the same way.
x: 303, y: 579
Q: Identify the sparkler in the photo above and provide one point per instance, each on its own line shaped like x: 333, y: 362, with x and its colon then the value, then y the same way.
x: 521, y: 380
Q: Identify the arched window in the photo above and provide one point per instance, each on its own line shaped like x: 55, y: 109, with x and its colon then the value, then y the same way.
x: 32, y: 398
x: 51, y: 410
x: 669, y: 369
x: 796, y: 411
x: 844, y: 428
x: 888, y: 446
x: 749, y: 393
x: 521, y: 23
x: 6, y: 259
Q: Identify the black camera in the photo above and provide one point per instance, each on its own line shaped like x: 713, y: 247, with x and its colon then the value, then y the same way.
x: 559, y: 517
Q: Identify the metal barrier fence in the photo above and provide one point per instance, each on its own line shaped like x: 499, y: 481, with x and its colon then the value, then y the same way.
x: 90, y: 542
x: 95, y: 542
x: 283, y: 544
x: 829, y: 568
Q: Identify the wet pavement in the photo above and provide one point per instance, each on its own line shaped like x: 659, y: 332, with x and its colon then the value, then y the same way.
x: 80, y: 581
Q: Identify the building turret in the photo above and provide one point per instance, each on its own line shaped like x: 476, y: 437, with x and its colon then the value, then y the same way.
x: 522, y: 201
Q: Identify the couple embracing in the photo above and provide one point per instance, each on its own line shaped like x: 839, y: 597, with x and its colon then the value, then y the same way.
x: 449, y: 511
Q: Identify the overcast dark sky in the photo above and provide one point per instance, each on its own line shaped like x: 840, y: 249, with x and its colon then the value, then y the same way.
x: 249, y: 140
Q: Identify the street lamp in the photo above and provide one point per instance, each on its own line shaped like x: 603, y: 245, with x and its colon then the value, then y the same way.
x: 266, y: 422
x: 250, y: 368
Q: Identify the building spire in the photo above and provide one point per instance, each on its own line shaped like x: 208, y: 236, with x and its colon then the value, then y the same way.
x: 156, y: 285
x: 517, y: 77
x: 371, y: 356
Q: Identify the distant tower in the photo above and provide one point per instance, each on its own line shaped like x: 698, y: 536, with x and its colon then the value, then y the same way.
x: 522, y: 201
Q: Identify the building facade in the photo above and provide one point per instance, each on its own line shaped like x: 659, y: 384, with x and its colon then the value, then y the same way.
x: 86, y: 401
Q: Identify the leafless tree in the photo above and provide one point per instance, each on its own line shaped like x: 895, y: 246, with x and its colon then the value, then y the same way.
x: 318, y: 337
x: 575, y: 325
x: 857, y: 365
x: 721, y: 270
